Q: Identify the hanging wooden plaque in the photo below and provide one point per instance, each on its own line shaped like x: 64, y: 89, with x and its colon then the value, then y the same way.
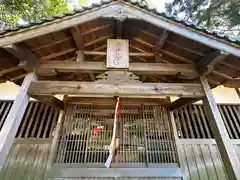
x: 117, y: 53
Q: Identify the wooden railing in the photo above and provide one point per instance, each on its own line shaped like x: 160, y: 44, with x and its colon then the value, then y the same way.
x: 38, y: 121
x: 192, y: 122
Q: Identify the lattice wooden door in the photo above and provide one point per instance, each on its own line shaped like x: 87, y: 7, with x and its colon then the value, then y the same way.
x: 145, y: 136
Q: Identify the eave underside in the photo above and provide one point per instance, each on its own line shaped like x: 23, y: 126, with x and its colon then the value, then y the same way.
x: 154, y: 45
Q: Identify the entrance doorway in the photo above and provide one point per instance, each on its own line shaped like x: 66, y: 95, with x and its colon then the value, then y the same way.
x: 145, y: 136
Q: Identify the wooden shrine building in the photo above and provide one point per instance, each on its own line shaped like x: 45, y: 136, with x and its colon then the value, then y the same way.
x: 126, y: 49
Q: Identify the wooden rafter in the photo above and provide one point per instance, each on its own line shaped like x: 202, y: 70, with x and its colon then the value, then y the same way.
x: 137, y: 68
x: 9, y: 70
x: 51, y: 44
x: 175, y: 56
x: 103, y: 38
x: 105, y: 26
x: 127, y: 90
x: 60, y: 53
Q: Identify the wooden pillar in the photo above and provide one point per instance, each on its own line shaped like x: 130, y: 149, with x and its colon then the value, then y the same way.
x: 14, y: 119
x: 176, y: 138
x: 55, y: 141
x: 226, y: 149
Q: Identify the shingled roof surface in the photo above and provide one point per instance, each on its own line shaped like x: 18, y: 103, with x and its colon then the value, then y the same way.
x: 144, y: 6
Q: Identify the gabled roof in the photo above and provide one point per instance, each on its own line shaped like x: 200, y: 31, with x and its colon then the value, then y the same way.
x: 130, y: 8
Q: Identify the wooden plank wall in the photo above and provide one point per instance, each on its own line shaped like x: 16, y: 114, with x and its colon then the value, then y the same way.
x: 201, y: 160
x: 199, y: 155
x: 26, y: 161
x: 39, y: 119
x: 191, y: 121
x: 28, y: 157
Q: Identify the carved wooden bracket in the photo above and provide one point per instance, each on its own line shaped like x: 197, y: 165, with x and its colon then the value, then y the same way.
x: 118, y: 77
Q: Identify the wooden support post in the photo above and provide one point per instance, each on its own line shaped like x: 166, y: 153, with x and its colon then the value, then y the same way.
x: 226, y: 149
x: 56, y: 136
x: 176, y: 138
x: 14, y: 118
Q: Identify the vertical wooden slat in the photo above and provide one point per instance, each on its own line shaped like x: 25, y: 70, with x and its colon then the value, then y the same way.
x: 36, y: 120
x: 43, y: 119
x: 23, y: 128
x: 186, y: 135
x: 189, y: 124
x: 200, y: 125
x: 236, y: 123
x: 204, y: 119
x: 229, y: 121
x: 31, y: 120
x: 6, y: 111
x: 196, y: 126
x: 48, y: 122
x: 2, y: 119
x: 225, y: 122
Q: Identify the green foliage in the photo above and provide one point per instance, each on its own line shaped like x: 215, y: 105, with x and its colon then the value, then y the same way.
x: 218, y: 14
x: 83, y: 2
x: 30, y: 10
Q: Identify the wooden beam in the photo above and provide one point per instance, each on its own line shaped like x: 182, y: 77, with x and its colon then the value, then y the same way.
x: 77, y: 37
x: 14, y: 119
x: 235, y: 83
x: 181, y: 102
x: 28, y: 60
x: 51, y: 100
x: 137, y: 68
x: 111, y: 101
x: 129, y: 90
x: 100, y: 53
x: 226, y: 149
